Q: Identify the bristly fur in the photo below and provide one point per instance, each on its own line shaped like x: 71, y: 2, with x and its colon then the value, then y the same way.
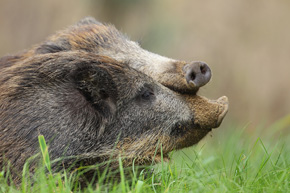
x: 93, y: 94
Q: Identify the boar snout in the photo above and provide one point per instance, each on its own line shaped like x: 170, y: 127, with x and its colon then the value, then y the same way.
x: 209, y: 113
x: 197, y: 74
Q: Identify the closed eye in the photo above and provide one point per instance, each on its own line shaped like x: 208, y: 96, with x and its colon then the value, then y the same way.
x: 147, y: 95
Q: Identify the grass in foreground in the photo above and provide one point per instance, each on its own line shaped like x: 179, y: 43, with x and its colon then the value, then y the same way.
x: 234, y: 160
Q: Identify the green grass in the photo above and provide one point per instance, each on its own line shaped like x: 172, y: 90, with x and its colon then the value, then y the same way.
x: 234, y: 159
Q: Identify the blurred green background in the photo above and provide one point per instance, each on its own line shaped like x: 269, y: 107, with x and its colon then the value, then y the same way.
x: 246, y: 43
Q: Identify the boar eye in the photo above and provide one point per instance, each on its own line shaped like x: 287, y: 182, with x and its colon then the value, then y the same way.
x: 147, y: 95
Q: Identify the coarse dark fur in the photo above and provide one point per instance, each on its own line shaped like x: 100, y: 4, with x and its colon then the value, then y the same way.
x: 93, y: 94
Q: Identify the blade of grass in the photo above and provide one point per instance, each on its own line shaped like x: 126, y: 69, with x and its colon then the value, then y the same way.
x: 123, y: 185
x: 44, y: 151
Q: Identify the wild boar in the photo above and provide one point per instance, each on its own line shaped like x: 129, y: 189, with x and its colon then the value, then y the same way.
x: 93, y: 93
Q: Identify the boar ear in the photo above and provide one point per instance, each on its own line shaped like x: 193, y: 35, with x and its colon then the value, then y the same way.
x: 53, y: 46
x: 62, y: 44
x: 87, y: 21
x: 96, y: 85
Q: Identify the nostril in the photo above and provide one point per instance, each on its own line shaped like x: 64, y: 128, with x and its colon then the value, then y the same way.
x: 203, y: 69
x: 192, y: 76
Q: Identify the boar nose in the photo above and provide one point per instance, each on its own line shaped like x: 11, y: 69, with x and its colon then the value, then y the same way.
x: 197, y: 74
